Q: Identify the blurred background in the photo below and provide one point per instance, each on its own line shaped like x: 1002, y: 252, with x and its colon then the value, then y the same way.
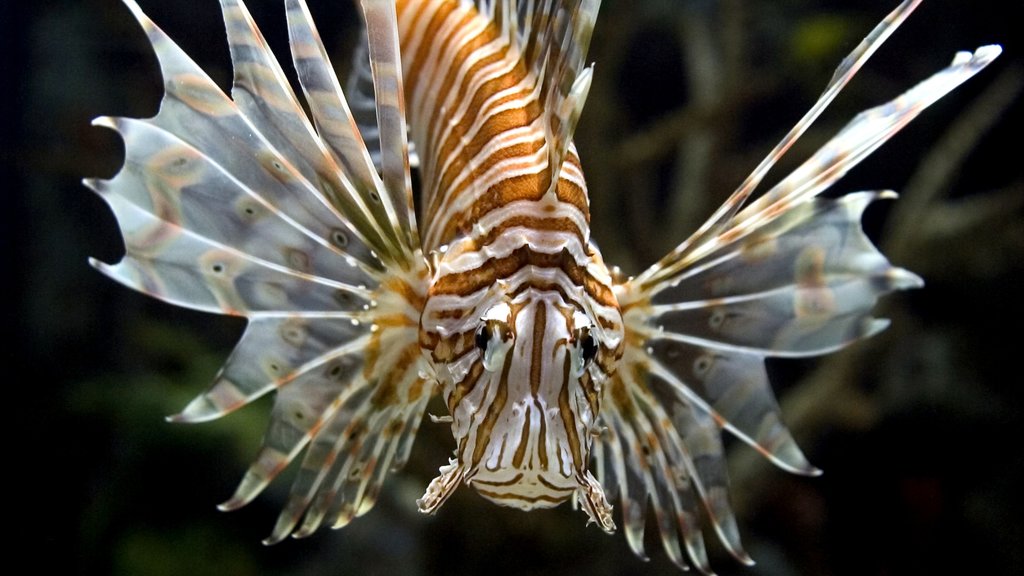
x: 913, y: 428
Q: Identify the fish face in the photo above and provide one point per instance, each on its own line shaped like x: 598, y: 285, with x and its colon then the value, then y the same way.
x: 522, y: 379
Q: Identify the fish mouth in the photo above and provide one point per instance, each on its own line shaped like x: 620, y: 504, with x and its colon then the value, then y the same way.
x: 521, y: 489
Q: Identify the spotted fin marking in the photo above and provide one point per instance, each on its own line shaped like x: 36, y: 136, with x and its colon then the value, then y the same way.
x: 790, y: 275
x: 249, y: 206
x: 239, y: 206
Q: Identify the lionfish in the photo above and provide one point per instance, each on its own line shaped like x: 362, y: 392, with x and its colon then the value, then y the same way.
x: 562, y: 379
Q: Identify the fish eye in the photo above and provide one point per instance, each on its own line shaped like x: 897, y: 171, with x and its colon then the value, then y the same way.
x: 493, y: 338
x: 483, y: 336
x: 588, y: 347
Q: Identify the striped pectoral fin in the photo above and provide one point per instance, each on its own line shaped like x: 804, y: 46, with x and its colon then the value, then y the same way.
x: 275, y: 351
x: 264, y: 141
x: 303, y: 405
x: 262, y: 92
x: 191, y: 271
x: 857, y: 140
x: 175, y: 204
x: 732, y: 389
x: 345, y: 468
x: 238, y: 207
x: 335, y: 123
x: 799, y: 285
x: 368, y: 434
x: 656, y: 448
x: 263, y: 95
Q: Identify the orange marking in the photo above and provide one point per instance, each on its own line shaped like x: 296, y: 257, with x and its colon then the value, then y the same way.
x: 441, y: 10
x: 490, y: 271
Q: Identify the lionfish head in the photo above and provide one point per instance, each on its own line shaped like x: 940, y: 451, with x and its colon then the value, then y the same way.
x: 522, y: 376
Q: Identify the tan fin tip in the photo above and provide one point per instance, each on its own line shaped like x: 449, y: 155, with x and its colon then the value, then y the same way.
x: 101, y: 266
x: 198, y: 410
x: 97, y: 185
x: 872, y: 326
x: 232, y: 504
x: 272, y: 539
x: 105, y: 122
x: 901, y: 279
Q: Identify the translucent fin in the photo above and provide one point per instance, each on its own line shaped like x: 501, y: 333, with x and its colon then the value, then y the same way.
x: 273, y: 352
x: 801, y: 285
x: 345, y: 466
x: 790, y: 275
x: 367, y: 437
x: 386, y: 66
x: 196, y: 111
x: 642, y: 456
x: 358, y: 407
x: 301, y: 409
x: 239, y: 206
x: 197, y: 236
x: 554, y: 36
x: 359, y: 88
x: 262, y: 92
x: 863, y: 135
x: 336, y: 124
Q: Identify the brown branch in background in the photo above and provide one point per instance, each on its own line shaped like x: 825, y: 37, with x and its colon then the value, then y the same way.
x: 651, y: 145
x: 695, y: 153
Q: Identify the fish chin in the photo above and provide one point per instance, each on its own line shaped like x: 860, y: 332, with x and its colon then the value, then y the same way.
x: 531, y: 490
x: 523, y: 489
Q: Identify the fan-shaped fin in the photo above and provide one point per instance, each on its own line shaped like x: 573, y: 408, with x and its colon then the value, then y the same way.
x: 643, y: 455
x: 240, y: 207
x: 301, y: 409
x: 177, y: 266
x: 273, y: 352
x: 345, y: 466
x: 790, y: 275
x: 334, y: 121
x: 802, y: 284
x: 734, y: 390
x: 262, y: 92
x: 863, y: 135
x: 185, y: 219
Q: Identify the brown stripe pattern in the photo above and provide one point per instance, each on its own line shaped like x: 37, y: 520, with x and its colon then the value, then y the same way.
x: 511, y: 251
x: 301, y: 219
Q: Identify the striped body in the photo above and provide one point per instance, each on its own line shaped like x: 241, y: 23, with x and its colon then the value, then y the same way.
x: 560, y: 381
x: 509, y: 247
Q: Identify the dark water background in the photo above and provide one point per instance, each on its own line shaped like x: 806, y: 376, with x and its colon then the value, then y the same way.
x: 914, y: 429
